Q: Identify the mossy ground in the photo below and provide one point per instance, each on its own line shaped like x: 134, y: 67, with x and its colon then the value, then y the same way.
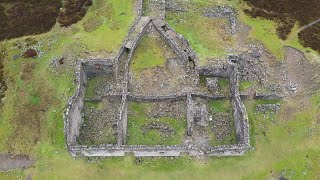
x: 149, y: 54
x: 196, y: 29
x: 245, y: 85
x: 138, y: 118
x: 287, y: 145
x: 225, y: 107
x: 92, y: 84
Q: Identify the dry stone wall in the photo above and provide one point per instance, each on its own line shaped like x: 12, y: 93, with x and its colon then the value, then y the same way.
x: 223, y: 11
x: 73, y: 113
x: 240, y: 113
x: 120, y: 65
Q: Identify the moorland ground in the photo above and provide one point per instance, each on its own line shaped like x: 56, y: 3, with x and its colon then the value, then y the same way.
x: 286, y: 143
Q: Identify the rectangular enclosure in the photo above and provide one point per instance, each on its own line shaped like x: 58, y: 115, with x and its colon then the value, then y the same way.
x: 156, y: 123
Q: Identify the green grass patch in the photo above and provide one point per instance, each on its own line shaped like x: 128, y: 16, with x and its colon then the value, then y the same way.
x: 95, y: 105
x: 224, y: 84
x: 220, y: 106
x: 92, y: 84
x: 267, y: 101
x: 138, y: 119
x: 265, y: 31
x: 113, y: 17
x: 245, y: 85
x: 210, y: 41
x: 148, y: 54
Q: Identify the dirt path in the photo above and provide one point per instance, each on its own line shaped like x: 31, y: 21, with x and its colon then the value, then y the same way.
x: 11, y: 161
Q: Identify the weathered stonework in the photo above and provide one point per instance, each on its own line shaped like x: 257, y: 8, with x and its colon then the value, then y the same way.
x: 120, y: 67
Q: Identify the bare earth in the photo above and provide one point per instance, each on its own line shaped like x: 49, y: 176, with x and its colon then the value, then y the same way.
x: 11, y: 161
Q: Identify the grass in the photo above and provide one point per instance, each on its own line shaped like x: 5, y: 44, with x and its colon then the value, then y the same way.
x: 220, y: 106
x: 37, y: 95
x: 137, y: 120
x: 116, y: 16
x: 223, y: 106
x: 209, y: 41
x: 224, y: 84
x: 265, y: 31
x: 95, y: 105
x: 148, y: 54
x: 289, y: 143
x: 92, y: 84
x: 245, y: 85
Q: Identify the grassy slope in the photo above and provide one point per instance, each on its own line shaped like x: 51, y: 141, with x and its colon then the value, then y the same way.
x: 206, y: 35
x: 284, y: 144
x: 116, y: 17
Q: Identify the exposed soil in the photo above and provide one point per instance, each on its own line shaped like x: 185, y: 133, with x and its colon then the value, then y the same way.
x: 161, y: 81
x: 169, y: 78
x: 174, y: 109
x: 10, y: 161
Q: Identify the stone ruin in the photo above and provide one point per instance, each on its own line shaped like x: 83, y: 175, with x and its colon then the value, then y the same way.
x: 115, y: 95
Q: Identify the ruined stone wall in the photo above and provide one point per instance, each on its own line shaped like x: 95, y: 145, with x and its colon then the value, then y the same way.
x: 122, y: 121
x: 227, y: 150
x: 120, y: 65
x: 209, y: 96
x: 137, y: 150
x: 268, y: 96
x: 72, y: 114
x: 221, y: 70
x: 240, y: 113
x: 99, y: 67
x: 171, y: 5
x: 174, y: 45
x: 144, y: 98
x: 223, y: 11
x: 190, y: 114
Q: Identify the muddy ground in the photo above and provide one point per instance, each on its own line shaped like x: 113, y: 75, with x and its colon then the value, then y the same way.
x: 12, y: 161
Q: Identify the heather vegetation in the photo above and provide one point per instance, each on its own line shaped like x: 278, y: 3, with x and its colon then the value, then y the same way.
x: 27, y: 17
x: 288, y: 12
x: 74, y: 11
x: 310, y: 37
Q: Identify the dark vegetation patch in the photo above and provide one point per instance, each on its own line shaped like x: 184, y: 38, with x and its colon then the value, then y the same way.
x: 30, y: 53
x: 74, y: 11
x: 286, y: 13
x: 27, y: 17
x: 310, y: 37
x: 3, y: 86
